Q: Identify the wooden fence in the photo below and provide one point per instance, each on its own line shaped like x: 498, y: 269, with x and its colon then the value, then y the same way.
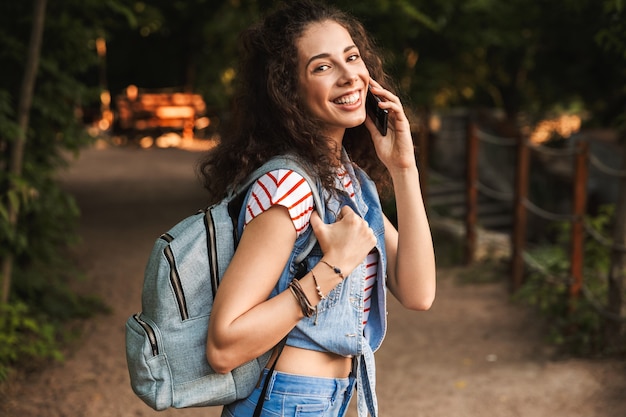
x: 580, y: 228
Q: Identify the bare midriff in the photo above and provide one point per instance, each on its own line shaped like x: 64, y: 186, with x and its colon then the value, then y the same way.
x: 307, y: 362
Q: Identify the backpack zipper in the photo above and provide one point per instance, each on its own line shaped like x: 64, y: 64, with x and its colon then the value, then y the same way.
x: 211, y: 248
x: 150, y: 332
x: 176, y: 284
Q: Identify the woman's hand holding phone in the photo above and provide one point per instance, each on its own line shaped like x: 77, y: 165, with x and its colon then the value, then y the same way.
x: 395, y: 149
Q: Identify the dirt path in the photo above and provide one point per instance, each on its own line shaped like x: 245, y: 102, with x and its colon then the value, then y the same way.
x: 473, y: 355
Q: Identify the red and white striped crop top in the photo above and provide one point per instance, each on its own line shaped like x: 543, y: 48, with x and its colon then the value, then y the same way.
x: 289, y: 189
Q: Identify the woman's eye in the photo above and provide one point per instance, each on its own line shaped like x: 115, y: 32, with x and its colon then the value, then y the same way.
x: 353, y: 57
x: 321, y: 68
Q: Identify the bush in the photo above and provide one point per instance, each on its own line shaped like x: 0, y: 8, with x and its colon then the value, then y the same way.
x: 24, y: 337
x: 33, y: 324
x: 576, y: 324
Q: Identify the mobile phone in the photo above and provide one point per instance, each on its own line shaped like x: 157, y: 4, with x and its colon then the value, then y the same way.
x: 378, y: 115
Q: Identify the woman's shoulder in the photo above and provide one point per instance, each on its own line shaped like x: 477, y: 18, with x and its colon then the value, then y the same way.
x: 284, y: 181
x: 284, y: 187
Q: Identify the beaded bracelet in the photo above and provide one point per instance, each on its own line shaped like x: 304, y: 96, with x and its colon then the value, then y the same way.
x: 317, y: 287
x: 335, y: 269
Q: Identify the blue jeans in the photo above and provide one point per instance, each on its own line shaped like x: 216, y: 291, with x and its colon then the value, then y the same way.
x: 297, y: 396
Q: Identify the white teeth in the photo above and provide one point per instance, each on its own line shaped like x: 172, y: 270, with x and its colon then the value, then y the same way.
x: 351, y: 99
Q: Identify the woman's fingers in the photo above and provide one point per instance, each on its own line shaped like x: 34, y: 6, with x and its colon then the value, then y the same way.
x: 347, y: 241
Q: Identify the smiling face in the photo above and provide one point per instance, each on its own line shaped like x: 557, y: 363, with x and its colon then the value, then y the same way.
x: 333, y: 78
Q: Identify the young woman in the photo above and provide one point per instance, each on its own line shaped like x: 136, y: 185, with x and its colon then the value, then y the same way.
x: 304, y: 75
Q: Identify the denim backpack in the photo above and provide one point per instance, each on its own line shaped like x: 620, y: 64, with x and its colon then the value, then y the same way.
x: 166, y: 342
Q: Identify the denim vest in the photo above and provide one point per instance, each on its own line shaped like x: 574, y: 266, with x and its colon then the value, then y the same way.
x: 338, y: 325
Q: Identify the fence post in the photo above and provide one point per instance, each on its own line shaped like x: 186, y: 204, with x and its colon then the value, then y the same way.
x: 471, y: 190
x: 520, y: 214
x: 578, y: 227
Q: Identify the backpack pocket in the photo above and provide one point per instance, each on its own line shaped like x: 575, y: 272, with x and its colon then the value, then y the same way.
x: 149, y: 371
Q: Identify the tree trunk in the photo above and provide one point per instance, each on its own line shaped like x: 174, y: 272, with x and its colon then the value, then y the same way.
x: 615, y: 329
x: 23, y: 113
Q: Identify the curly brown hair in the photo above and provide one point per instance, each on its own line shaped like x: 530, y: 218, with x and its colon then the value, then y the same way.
x: 269, y: 117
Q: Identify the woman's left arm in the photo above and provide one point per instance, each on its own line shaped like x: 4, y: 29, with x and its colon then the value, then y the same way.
x: 410, y: 255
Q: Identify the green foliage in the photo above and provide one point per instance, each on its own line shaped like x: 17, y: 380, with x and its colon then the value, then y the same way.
x: 219, y: 32
x: 46, y: 269
x: 24, y: 337
x: 67, y: 82
x: 33, y: 326
x: 516, y: 55
x: 613, y: 36
x: 53, y: 125
x: 8, y: 127
x: 575, y: 325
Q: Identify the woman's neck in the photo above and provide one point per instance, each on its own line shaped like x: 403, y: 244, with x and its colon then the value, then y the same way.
x: 336, y: 145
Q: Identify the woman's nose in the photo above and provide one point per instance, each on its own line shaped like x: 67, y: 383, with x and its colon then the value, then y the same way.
x: 348, y: 77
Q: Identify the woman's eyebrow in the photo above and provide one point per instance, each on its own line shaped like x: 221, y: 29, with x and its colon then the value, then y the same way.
x: 326, y: 54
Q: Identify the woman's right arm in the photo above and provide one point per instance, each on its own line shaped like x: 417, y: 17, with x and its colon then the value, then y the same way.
x: 244, y: 323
